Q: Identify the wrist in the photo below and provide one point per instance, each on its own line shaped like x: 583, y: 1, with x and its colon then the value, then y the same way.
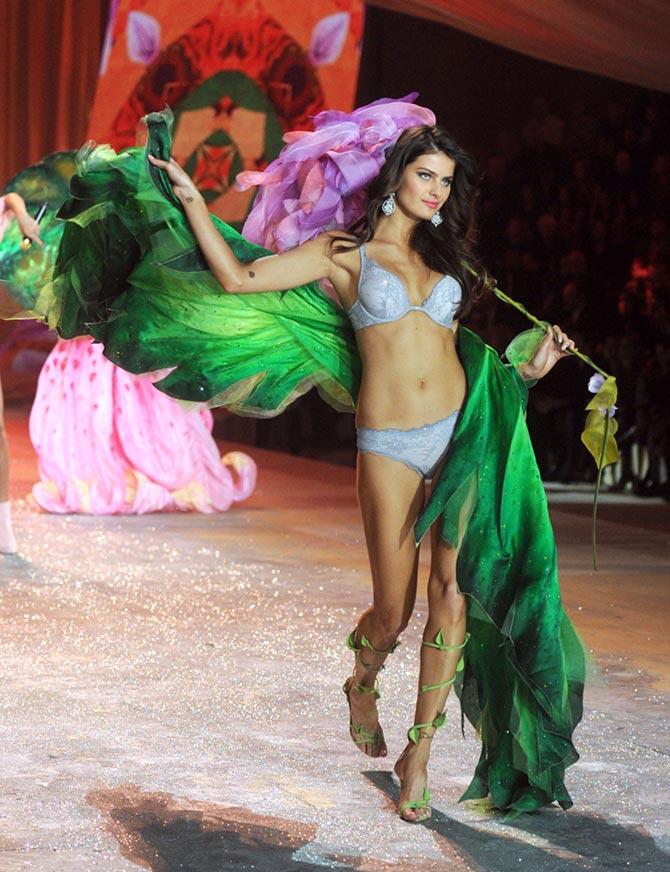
x: 191, y: 198
x: 526, y: 372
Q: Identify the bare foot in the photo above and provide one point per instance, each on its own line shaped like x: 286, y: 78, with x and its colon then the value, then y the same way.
x: 364, y: 726
x: 412, y: 770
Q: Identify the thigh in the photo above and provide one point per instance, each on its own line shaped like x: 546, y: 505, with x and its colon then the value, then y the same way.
x: 390, y: 495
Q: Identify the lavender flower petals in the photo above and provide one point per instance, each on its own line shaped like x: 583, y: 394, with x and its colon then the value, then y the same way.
x: 596, y: 382
x: 328, y: 38
x: 143, y: 38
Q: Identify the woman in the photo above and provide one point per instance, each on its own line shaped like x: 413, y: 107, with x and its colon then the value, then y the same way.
x: 11, y: 206
x: 433, y: 404
x: 405, y: 313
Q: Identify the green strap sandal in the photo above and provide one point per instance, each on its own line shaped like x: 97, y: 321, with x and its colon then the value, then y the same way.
x: 359, y: 735
x: 365, y: 643
x: 416, y: 804
x: 439, y: 643
x: 415, y: 732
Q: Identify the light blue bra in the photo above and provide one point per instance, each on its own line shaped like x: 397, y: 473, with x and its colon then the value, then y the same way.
x: 382, y: 297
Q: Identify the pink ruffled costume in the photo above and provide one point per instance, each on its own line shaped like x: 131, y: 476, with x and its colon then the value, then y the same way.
x: 110, y: 443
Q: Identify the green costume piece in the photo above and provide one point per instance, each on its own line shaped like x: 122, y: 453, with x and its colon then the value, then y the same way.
x: 23, y: 272
x: 130, y: 274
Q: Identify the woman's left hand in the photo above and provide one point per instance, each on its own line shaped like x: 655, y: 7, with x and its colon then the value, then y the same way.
x: 551, y: 349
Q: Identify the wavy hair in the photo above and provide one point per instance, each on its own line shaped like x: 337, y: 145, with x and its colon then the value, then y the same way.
x: 448, y: 248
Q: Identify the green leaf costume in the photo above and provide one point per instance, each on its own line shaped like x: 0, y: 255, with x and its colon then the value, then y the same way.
x: 130, y: 274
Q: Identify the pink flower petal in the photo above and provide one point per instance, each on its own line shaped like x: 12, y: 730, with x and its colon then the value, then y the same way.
x: 328, y: 38
x: 143, y: 38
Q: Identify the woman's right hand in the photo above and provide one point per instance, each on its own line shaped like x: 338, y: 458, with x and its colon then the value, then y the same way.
x: 182, y: 184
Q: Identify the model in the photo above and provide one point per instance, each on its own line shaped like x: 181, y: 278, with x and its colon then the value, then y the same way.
x: 172, y: 287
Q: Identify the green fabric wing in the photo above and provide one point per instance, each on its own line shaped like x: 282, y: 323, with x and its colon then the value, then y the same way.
x: 130, y: 273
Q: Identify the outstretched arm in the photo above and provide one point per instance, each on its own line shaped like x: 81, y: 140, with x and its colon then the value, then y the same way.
x: 277, y: 272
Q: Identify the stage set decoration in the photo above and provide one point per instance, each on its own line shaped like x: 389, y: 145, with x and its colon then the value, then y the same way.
x: 237, y: 75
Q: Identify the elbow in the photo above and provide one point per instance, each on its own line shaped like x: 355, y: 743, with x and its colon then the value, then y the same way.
x: 228, y: 283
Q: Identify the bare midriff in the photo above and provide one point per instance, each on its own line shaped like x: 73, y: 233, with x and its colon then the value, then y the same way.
x: 411, y: 374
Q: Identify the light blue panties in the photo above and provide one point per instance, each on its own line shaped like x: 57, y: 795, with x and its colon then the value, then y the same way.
x: 420, y: 448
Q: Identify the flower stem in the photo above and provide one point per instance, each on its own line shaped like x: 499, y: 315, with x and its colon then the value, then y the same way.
x: 545, y: 326
x: 597, y: 491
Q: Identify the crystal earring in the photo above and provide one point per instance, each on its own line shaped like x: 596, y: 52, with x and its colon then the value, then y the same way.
x: 388, y: 205
x: 437, y: 219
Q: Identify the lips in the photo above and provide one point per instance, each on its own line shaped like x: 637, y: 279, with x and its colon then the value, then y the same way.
x: 432, y: 204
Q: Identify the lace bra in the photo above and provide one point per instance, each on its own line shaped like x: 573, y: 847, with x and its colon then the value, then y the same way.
x: 382, y: 297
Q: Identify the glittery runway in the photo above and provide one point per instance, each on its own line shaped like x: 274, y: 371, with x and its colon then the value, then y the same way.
x: 171, y: 694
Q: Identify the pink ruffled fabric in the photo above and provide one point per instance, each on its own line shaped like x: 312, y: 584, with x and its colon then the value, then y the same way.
x: 318, y: 181
x: 110, y: 443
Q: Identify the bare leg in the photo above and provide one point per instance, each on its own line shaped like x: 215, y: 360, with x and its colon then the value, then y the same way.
x: 445, y: 628
x: 7, y: 541
x: 390, y: 496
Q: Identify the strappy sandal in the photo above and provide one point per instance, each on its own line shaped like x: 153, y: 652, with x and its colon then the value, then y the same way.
x: 416, y: 731
x: 359, y: 735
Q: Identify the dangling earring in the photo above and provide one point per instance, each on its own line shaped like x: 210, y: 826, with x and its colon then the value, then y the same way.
x: 437, y: 219
x: 388, y: 205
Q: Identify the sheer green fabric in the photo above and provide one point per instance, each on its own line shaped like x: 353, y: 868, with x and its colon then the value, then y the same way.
x: 523, y: 681
x: 130, y: 274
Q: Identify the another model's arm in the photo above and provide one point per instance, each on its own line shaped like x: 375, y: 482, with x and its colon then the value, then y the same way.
x: 29, y: 227
x: 277, y: 272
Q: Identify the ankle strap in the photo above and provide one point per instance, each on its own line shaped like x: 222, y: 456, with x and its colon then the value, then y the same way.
x: 362, y: 688
x: 414, y: 732
x: 439, y: 643
x: 365, y: 643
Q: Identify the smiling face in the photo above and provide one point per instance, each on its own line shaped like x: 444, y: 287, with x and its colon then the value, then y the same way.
x: 426, y: 185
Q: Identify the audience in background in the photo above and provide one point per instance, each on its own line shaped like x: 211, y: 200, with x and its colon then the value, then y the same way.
x: 575, y: 219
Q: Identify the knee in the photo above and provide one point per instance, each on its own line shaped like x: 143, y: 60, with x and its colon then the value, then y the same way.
x: 392, y: 621
x: 444, y: 596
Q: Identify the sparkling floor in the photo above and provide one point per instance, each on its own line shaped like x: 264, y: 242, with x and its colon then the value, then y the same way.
x: 171, y: 695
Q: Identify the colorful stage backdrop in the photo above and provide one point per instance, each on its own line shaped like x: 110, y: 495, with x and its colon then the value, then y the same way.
x: 237, y: 74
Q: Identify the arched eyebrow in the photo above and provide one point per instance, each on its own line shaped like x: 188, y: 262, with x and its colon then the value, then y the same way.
x: 426, y: 170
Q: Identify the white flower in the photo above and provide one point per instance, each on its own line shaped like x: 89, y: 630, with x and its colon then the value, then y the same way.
x: 596, y: 382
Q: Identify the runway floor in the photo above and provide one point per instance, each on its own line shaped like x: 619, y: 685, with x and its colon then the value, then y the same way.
x: 171, y: 694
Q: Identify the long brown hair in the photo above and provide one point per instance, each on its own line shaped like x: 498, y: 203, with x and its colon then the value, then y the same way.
x: 448, y: 248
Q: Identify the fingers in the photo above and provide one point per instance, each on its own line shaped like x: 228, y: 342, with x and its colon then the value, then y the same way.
x: 163, y: 163
x: 160, y: 163
x: 561, y: 339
